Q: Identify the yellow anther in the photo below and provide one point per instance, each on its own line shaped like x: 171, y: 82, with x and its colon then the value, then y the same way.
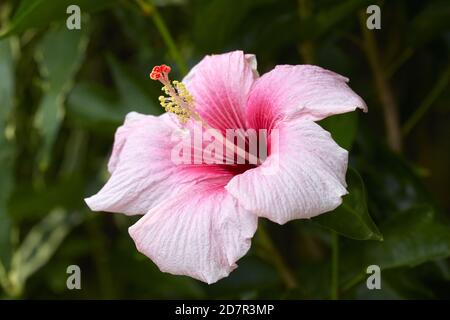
x: 178, y: 100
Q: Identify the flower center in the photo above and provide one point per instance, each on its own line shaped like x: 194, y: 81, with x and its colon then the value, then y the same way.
x: 177, y: 100
x: 180, y: 102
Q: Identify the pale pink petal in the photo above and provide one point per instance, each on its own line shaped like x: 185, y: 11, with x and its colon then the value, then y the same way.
x: 121, y: 137
x: 220, y: 85
x: 303, y: 178
x: 305, y: 91
x: 200, y: 234
x: 143, y: 173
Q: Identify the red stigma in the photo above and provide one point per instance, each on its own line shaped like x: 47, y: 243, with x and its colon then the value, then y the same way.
x: 165, y: 68
x: 155, y: 75
x: 159, y: 71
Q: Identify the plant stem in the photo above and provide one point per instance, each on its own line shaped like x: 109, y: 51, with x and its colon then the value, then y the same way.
x: 439, y: 87
x: 334, y: 266
x: 150, y: 10
x: 391, y: 117
x: 274, y: 256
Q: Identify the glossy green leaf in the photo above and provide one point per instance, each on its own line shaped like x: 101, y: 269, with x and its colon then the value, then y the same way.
x: 411, y: 237
x: 39, y: 13
x: 351, y: 218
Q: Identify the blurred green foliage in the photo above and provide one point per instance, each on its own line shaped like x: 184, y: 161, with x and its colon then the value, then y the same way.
x: 64, y: 92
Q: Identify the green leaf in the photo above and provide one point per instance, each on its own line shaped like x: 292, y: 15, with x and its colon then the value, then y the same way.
x: 411, y: 238
x: 7, y: 87
x: 59, y: 56
x: 343, y: 128
x: 39, y: 13
x: 352, y: 218
x: 39, y: 245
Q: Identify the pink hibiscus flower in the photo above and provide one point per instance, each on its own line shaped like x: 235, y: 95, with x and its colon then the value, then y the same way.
x: 199, y: 218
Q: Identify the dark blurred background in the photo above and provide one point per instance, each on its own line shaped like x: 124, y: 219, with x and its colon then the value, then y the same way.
x: 64, y: 92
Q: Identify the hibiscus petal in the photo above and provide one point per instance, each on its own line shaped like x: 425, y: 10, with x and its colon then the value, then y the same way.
x: 201, y: 234
x: 303, y: 178
x: 143, y: 173
x: 220, y: 85
x: 305, y: 91
x: 121, y: 137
